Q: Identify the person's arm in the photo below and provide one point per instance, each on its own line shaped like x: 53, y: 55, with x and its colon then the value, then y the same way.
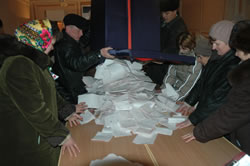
x: 217, y: 92
x: 194, y: 72
x: 229, y: 117
x: 193, y: 96
x: 24, y: 88
x: 170, y: 77
x: 65, y: 109
x: 77, y: 61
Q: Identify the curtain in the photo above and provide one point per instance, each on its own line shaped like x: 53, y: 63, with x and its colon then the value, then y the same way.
x: 236, y: 10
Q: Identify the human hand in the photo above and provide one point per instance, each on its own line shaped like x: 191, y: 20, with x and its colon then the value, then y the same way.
x: 184, y: 124
x: 104, y: 53
x: 71, y: 147
x: 188, y: 137
x: 185, y: 109
x: 81, y: 107
x: 74, y: 119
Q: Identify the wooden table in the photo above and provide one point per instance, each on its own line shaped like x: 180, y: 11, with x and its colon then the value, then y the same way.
x: 166, y: 151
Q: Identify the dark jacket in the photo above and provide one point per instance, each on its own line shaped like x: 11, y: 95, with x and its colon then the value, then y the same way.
x: 169, y: 34
x: 212, y: 88
x: 71, y: 62
x: 233, y: 116
x: 30, y: 129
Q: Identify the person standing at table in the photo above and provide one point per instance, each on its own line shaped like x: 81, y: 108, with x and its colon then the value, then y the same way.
x: 172, y: 25
x: 71, y: 61
x: 31, y: 133
x: 210, y: 91
x: 233, y: 116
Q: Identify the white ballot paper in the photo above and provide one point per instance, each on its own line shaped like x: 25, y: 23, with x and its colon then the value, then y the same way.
x: 170, y: 92
x: 113, y: 160
x: 92, y: 100
x: 126, y: 103
x: 106, y: 137
x: 87, y: 117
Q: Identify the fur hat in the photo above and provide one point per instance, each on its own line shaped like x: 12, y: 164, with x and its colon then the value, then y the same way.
x: 36, y: 33
x: 169, y: 5
x: 242, y: 40
x: 76, y: 20
x: 221, y: 30
x: 203, y: 47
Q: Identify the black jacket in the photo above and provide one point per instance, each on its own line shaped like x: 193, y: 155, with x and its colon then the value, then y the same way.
x: 169, y: 36
x: 71, y: 62
x: 212, y: 88
x: 233, y: 116
x: 170, y: 33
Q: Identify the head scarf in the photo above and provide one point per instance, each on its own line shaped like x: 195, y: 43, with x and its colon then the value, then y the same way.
x: 36, y: 33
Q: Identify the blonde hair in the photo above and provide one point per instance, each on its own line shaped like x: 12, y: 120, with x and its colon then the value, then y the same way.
x: 186, y: 40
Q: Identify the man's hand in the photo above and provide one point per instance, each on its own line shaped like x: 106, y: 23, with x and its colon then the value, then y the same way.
x: 104, y: 53
x: 71, y: 147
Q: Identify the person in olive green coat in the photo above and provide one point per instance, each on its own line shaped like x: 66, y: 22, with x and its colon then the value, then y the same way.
x: 31, y: 134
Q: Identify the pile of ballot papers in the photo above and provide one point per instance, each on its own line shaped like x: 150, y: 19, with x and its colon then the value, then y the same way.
x: 126, y: 103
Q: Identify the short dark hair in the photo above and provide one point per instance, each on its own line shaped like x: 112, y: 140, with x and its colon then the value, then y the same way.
x: 242, y: 40
x: 238, y: 26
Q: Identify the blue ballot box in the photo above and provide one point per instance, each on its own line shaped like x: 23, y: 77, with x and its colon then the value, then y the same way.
x: 131, y: 27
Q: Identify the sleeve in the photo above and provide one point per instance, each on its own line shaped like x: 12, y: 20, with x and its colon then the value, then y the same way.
x: 217, y: 90
x: 78, y: 61
x: 65, y: 109
x: 228, y: 118
x: 193, y: 96
x: 194, y: 74
x: 24, y: 88
x: 170, y: 77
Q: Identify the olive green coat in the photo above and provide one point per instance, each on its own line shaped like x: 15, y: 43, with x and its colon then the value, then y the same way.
x: 29, y: 125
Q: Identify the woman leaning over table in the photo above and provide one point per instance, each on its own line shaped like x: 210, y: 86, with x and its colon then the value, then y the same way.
x: 31, y: 133
x: 234, y: 116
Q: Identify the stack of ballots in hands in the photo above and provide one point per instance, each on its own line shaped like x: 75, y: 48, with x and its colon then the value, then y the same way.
x: 125, y: 103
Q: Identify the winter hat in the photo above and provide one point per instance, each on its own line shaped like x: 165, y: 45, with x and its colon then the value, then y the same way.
x: 76, y: 20
x: 169, y: 5
x: 221, y: 30
x: 36, y: 33
x: 203, y: 47
x: 242, y: 40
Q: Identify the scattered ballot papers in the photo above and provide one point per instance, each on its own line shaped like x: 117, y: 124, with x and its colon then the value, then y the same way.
x: 125, y: 103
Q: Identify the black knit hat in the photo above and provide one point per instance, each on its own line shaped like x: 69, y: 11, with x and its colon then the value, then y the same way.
x: 169, y: 5
x: 78, y: 21
x: 242, y: 40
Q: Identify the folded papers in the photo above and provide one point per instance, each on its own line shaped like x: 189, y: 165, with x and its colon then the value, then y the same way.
x: 128, y: 105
